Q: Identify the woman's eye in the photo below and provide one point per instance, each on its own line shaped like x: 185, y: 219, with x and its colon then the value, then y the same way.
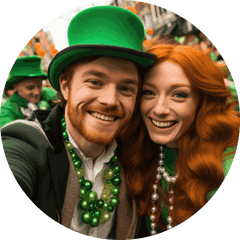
x: 147, y: 93
x: 180, y: 95
x: 126, y: 89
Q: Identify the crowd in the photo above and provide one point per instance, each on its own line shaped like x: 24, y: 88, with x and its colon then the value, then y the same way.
x: 137, y: 142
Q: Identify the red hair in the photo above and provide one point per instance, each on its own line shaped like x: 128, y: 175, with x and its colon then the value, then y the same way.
x: 200, y: 149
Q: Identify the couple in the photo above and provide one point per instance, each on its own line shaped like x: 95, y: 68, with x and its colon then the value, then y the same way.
x: 139, y: 141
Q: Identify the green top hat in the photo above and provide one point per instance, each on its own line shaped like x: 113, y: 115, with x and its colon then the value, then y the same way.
x: 25, y: 67
x: 101, y: 31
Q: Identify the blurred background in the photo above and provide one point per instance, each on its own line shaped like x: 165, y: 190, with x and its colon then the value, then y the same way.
x: 157, y: 22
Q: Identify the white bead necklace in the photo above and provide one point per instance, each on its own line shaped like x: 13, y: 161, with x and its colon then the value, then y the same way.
x: 161, y: 172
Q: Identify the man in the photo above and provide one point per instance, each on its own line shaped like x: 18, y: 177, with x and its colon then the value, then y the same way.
x: 66, y: 160
x: 26, y: 78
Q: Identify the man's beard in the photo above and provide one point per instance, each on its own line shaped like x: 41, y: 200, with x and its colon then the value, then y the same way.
x: 95, y: 136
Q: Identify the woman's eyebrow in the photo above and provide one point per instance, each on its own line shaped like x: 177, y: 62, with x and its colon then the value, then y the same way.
x: 149, y: 84
x: 176, y: 85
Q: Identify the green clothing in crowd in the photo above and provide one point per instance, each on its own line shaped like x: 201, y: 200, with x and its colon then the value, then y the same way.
x: 16, y: 107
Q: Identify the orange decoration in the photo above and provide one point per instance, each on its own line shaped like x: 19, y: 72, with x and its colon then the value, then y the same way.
x: 21, y: 54
x: 146, y: 42
x: 150, y: 31
x: 132, y: 9
x: 40, y: 51
x: 30, y: 42
x: 53, y: 50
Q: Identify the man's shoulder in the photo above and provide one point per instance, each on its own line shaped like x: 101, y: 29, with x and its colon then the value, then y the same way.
x: 25, y: 130
x: 10, y: 103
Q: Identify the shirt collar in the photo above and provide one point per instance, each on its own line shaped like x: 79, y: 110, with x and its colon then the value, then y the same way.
x: 105, y: 156
x: 20, y: 100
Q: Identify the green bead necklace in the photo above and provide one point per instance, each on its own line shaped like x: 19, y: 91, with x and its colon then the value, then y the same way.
x: 95, y: 211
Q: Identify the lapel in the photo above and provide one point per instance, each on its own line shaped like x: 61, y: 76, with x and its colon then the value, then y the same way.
x: 71, y: 196
x: 126, y: 214
x: 59, y: 168
x: 57, y: 158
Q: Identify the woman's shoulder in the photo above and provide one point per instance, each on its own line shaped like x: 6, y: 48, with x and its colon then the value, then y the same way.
x: 227, y: 159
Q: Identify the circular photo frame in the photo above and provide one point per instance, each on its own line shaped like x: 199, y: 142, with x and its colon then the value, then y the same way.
x: 25, y: 36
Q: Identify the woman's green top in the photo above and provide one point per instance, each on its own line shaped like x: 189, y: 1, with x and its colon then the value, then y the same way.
x: 170, y: 156
x: 16, y: 107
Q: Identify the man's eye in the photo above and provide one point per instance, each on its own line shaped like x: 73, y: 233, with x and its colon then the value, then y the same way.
x: 94, y: 82
x: 127, y: 89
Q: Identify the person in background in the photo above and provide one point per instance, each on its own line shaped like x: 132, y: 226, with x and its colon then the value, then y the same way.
x: 185, y: 143
x: 26, y: 79
x: 7, y: 94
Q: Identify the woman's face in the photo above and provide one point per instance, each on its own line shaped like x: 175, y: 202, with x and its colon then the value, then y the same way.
x: 29, y: 89
x: 168, y: 103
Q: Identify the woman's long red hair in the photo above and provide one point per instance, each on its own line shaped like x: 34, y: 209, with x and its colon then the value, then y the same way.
x: 200, y: 149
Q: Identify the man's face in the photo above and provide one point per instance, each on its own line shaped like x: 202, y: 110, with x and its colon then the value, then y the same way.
x: 29, y: 89
x: 101, y: 98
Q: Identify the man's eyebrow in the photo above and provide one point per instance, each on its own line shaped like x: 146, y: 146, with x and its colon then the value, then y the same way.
x: 103, y: 75
x: 130, y: 81
x: 96, y: 73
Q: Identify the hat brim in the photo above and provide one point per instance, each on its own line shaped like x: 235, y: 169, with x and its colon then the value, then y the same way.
x: 16, y: 79
x: 73, y: 53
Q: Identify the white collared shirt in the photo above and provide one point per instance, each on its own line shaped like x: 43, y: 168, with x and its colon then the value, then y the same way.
x: 95, y: 175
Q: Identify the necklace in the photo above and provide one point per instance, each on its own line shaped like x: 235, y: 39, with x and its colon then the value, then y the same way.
x: 161, y: 173
x: 95, y: 211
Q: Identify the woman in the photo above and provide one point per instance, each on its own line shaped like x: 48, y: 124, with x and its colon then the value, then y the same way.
x: 186, y: 144
x: 26, y: 79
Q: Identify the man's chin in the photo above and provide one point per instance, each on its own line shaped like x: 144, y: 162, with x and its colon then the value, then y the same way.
x: 99, y: 138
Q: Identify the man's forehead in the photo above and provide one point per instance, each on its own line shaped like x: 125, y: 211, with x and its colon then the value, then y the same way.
x: 107, y: 66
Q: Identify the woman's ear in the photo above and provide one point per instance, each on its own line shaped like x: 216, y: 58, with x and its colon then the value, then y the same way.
x: 64, y: 87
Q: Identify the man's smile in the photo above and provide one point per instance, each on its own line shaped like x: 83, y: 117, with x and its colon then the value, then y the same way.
x: 103, y: 117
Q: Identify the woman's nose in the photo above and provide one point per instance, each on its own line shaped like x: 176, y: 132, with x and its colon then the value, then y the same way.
x: 162, y: 106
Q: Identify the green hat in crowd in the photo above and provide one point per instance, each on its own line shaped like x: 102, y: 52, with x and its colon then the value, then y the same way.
x: 101, y: 31
x: 25, y: 67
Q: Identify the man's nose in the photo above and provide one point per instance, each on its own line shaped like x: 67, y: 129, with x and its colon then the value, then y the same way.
x: 109, y: 97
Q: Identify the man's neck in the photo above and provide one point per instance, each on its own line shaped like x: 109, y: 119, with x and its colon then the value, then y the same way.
x: 89, y: 149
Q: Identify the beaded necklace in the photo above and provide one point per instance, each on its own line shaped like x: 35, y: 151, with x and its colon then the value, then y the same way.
x: 95, y: 211
x: 161, y: 173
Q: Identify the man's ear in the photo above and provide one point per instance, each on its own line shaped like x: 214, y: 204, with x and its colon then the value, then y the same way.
x: 15, y: 85
x: 64, y: 87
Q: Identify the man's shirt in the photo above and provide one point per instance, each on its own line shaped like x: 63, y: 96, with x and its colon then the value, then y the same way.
x: 94, y: 173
